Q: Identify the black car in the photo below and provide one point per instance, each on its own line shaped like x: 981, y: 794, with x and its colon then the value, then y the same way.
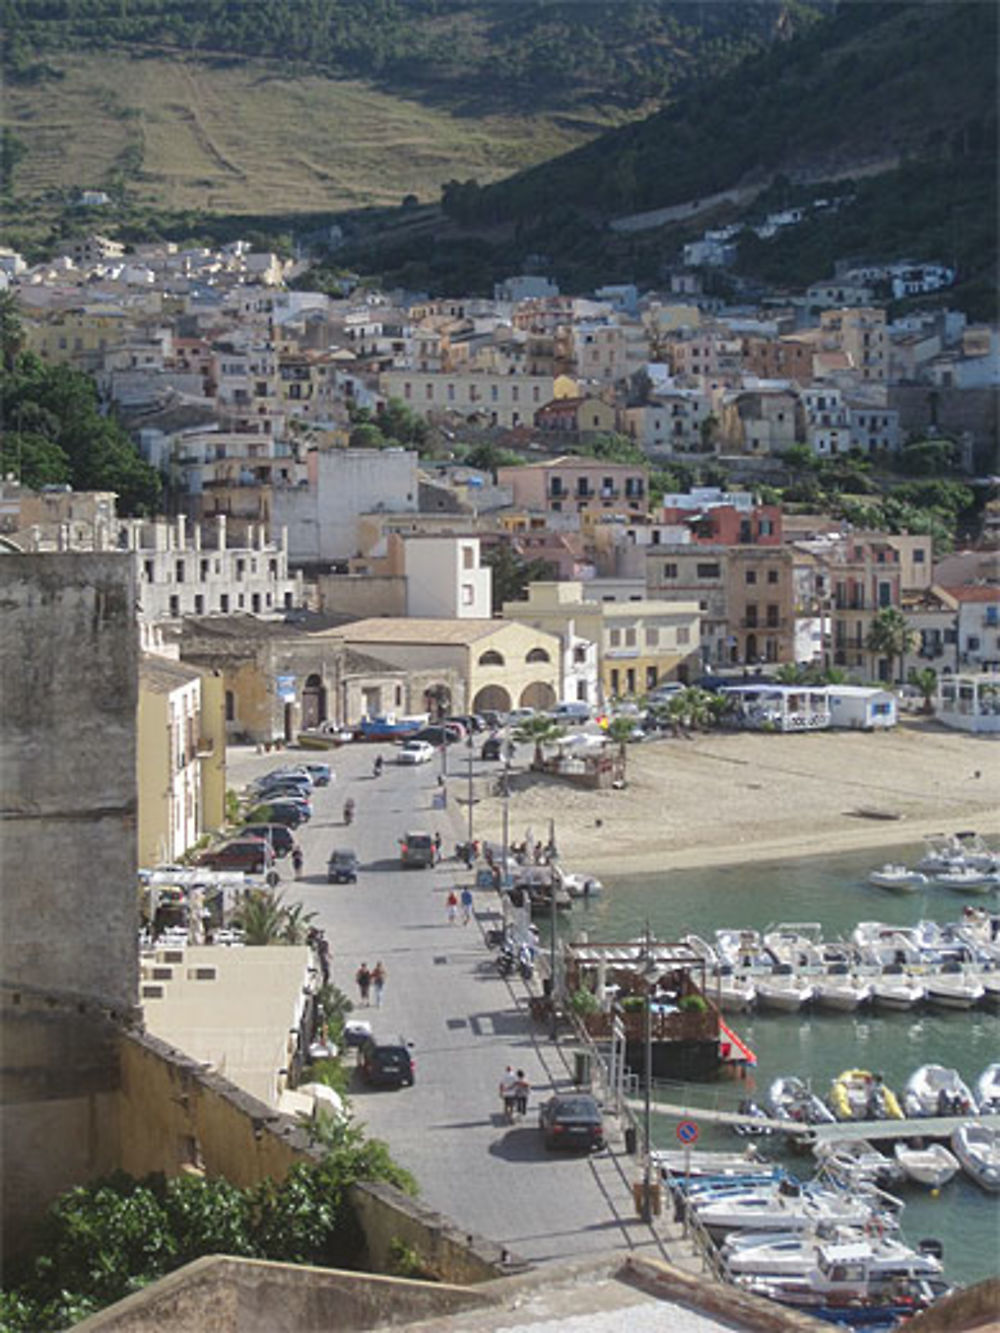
x: 572, y: 1120
x: 278, y: 835
x: 278, y: 812
x: 492, y: 748
x: 342, y: 867
x: 386, y: 1064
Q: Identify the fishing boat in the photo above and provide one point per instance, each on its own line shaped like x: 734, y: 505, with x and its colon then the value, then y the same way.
x: 953, y: 990
x: 933, y: 1090
x: 840, y: 991
x: 898, y: 879
x: 977, y: 1148
x: 783, y: 991
x: 896, y: 991
x: 858, y: 1094
x: 790, y: 1098
x: 932, y: 1165
x: 988, y: 1090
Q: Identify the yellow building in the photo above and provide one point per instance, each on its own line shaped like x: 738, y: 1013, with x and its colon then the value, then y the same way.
x: 639, y: 644
x: 80, y: 337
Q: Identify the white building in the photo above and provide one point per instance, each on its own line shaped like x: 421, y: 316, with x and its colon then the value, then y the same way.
x: 969, y: 702
x: 446, y: 580
x: 862, y: 708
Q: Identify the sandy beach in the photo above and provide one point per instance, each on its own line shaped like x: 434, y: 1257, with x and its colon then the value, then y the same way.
x: 719, y: 798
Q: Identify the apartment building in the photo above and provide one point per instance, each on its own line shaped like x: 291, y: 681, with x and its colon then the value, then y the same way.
x: 581, y: 485
x: 784, y: 358
x: 860, y: 333
x: 499, y: 400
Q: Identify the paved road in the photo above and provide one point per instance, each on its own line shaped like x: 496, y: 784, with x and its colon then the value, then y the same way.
x: 466, y: 1024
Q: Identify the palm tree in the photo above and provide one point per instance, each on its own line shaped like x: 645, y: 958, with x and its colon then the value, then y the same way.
x: 620, y: 729
x: 264, y: 919
x: 539, y: 731
x: 890, y: 636
x: 925, y: 680
x: 791, y: 673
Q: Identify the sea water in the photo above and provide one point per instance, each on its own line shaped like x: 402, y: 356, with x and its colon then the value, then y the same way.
x: 833, y: 891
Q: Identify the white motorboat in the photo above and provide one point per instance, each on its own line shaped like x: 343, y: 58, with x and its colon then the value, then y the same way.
x: 886, y: 1257
x: 967, y: 879
x: 898, y: 879
x: 783, y: 991
x: 946, y: 851
x: 736, y: 994
x: 741, y: 949
x: 853, y: 1162
x: 932, y: 1165
x: 884, y: 945
x: 841, y: 992
x: 578, y: 885
x: 933, y: 1090
x: 978, y: 1150
x: 988, y: 1090
x: 797, y: 943
x: 897, y: 992
x: 953, y: 990
x: 781, y: 1207
x: 701, y: 949
x: 790, y: 1098
x: 990, y: 982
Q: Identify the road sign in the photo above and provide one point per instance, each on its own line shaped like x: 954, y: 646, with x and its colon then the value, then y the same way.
x: 687, y: 1131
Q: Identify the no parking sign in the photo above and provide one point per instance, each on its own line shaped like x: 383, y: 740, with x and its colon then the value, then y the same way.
x: 687, y: 1132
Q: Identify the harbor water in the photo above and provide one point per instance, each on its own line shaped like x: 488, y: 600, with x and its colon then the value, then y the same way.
x: 817, y: 1046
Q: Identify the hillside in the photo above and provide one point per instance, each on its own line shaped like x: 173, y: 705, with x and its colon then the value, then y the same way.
x: 276, y: 105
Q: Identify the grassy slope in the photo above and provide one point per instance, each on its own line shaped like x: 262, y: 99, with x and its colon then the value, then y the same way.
x: 247, y: 139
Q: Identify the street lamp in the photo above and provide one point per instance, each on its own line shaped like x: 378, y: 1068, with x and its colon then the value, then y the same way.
x: 469, y: 743
x: 649, y: 973
x: 553, y: 854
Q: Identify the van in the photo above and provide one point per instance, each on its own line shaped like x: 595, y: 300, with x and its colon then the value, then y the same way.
x: 417, y: 849
x: 571, y: 711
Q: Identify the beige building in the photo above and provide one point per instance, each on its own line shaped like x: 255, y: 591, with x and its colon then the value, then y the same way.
x: 500, y: 664
x: 858, y: 332
x: 639, y: 644
x: 765, y: 419
x: 578, y: 485
x: 500, y: 400
x: 180, y: 758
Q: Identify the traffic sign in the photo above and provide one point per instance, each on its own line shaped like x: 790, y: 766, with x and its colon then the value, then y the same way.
x: 687, y: 1131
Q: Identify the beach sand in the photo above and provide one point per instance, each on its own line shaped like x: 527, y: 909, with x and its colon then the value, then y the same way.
x: 720, y: 798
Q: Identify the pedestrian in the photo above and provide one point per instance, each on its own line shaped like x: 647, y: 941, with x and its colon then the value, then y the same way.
x: 508, y: 1094
x: 437, y: 846
x: 323, y: 949
x: 466, y: 905
x: 364, y: 979
x: 521, y: 1088
x: 452, y: 907
x: 378, y: 981
x: 297, y: 860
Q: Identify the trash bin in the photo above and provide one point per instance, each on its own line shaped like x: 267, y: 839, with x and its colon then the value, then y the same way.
x: 631, y: 1140
x: 581, y: 1069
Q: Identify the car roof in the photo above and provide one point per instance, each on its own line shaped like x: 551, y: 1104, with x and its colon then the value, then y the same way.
x: 343, y: 852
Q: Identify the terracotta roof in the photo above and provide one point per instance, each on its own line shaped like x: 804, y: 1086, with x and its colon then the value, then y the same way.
x: 974, y: 592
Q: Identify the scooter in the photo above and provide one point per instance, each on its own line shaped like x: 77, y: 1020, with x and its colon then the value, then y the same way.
x: 506, y: 961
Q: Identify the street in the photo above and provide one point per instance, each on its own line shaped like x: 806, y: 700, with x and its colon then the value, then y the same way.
x: 466, y: 1024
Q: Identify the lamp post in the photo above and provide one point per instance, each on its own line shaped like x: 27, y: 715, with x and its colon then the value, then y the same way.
x: 469, y: 743
x: 553, y: 854
x: 649, y: 975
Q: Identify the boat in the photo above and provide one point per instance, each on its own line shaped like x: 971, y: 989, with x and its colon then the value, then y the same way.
x: 788, y: 1254
x: 967, y: 879
x: 896, y: 991
x: 797, y: 943
x: 576, y: 884
x: 735, y: 994
x: 897, y: 878
x: 946, y: 851
x: 755, y: 1112
x: 789, y: 1098
x: 389, y: 727
x: 840, y: 991
x: 990, y: 982
x: 853, y: 1162
x: 697, y: 1162
x: 932, y: 1165
x: 783, y: 991
x: 988, y: 1090
x: 882, y: 944
x: 933, y: 1090
x: 858, y: 1094
x: 953, y: 990
x: 977, y: 1148
x: 783, y: 1206
x: 741, y: 949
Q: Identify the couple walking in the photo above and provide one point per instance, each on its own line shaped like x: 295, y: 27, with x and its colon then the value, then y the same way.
x: 368, y: 980
x: 465, y: 901
x: 514, y: 1089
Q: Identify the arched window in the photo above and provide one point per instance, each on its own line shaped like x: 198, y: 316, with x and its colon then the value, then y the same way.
x: 491, y: 658
x: 538, y: 655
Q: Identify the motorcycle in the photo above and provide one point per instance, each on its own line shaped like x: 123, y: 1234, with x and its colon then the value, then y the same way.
x: 506, y: 961
x: 525, y: 963
x: 348, y: 812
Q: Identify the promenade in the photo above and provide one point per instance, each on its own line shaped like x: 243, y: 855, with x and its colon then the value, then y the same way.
x: 466, y: 1023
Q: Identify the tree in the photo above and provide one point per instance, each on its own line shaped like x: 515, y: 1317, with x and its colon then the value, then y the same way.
x: 265, y: 918
x: 925, y: 680
x: 890, y: 636
x: 11, y: 331
x: 512, y: 573
x: 539, y: 731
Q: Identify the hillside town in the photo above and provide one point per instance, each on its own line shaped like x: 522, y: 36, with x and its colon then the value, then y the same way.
x: 557, y: 530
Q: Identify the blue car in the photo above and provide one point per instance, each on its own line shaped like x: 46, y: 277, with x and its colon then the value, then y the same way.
x: 320, y: 774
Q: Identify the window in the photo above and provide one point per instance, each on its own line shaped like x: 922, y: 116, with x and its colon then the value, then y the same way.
x: 615, y: 638
x: 203, y: 571
x: 468, y: 596
x: 670, y: 571
x: 630, y: 680
x: 992, y: 615
x: 772, y: 576
x: 150, y: 571
x: 199, y: 604
x: 613, y: 680
x: 491, y: 658
x: 751, y: 576
x: 224, y: 602
x: 772, y: 616
x: 918, y: 556
x: 630, y: 638
x: 683, y: 636
x: 537, y: 655
x: 751, y: 616
x: 230, y: 706
x: 652, y: 637
x: 175, y: 606
x: 429, y: 392
x: 706, y: 571
x: 179, y: 572
x: 240, y: 569
x: 468, y: 557
x: 885, y: 594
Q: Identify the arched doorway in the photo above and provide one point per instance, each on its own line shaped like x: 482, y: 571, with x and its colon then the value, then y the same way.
x: 491, y: 698
x: 314, y: 709
x: 539, y: 695
x: 437, y: 701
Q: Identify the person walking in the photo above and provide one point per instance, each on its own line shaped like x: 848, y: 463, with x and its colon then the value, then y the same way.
x: 508, y: 1094
x: 437, y: 846
x: 297, y: 861
x: 452, y: 907
x: 378, y: 981
x: 364, y: 979
x: 521, y: 1089
x: 466, y: 905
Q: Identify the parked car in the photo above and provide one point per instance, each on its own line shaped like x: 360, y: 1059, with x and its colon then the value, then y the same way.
x: 492, y: 718
x: 342, y: 867
x: 289, y: 813
x: 251, y: 855
x: 518, y: 715
x: 386, y: 1064
x: 415, y: 752
x: 570, y: 711
x: 289, y: 785
x: 417, y: 849
x: 572, y: 1120
x: 321, y: 774
x: 279, y: 836
x: 300, y: 772
x: 436, y: 735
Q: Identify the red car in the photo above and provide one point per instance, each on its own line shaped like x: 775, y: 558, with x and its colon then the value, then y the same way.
x: 251, y: 855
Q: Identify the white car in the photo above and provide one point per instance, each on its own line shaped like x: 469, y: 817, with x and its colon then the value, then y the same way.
x: 415, y: 752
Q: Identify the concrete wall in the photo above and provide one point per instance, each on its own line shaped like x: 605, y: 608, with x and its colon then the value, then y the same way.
x: 362, y: 594
x: 68, y: 678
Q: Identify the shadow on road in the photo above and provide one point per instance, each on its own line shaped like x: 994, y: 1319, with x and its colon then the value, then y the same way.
x: 522, y: 1143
